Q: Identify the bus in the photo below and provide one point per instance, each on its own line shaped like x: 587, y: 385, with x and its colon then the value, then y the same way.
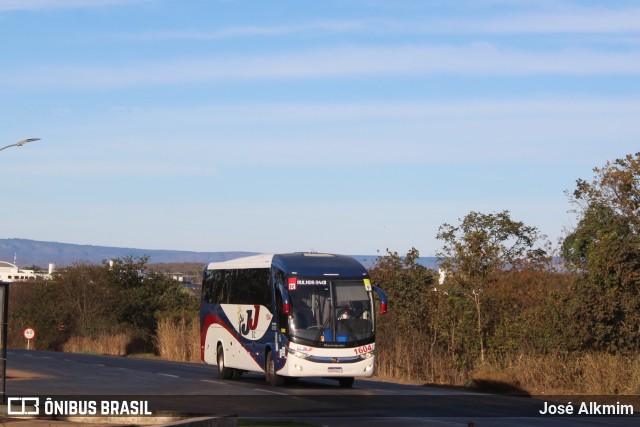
x: 290, y: 316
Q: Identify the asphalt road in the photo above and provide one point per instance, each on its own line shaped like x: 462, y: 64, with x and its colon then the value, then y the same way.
x: 194, y: 389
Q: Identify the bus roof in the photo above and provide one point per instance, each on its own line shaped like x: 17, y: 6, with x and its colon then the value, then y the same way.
x: 253, y: 261
x: 299, y: 263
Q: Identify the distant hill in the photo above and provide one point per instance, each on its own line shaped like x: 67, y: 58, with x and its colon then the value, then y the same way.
x: 34, y: 252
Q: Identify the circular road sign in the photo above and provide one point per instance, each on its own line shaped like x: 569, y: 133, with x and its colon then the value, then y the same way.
x: 29, y: 333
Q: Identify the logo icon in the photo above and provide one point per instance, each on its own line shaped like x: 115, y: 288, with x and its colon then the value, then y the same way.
x: 252, y: 321
x: 24, y: 404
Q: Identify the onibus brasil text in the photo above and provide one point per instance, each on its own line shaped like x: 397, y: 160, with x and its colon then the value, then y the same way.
x: 71, y: 407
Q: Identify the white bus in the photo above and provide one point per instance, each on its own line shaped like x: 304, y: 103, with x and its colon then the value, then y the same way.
x: 290, y: 316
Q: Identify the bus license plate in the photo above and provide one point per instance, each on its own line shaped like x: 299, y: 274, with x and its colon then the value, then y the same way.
x: 334, y: 370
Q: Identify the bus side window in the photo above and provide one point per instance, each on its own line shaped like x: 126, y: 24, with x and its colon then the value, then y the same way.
x: 210, y: 286
x: 222, y: 287
x: 207, y: 286
x: 239, y: 287
x: 260, y: 287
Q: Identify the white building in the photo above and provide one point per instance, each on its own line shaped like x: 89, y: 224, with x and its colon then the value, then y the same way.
x: 12, y: 273
x: 442, y: 275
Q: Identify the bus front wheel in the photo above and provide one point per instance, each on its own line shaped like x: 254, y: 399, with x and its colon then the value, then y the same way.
x: 346, y: 382
x: 223, y: 372
x: 272, y: 377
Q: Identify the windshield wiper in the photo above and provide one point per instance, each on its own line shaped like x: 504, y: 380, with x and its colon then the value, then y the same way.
x: 321, y: 331
x: 347, y: 326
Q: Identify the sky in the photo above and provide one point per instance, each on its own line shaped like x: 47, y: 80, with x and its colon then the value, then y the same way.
x: 340, y: 126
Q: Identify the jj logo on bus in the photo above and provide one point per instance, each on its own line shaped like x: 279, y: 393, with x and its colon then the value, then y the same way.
x: 249, y: 323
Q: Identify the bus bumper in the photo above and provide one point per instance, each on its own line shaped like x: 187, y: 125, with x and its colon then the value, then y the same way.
x: 303, y: 367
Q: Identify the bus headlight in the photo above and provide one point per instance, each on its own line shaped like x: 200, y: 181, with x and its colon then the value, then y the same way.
x: 366, y: 356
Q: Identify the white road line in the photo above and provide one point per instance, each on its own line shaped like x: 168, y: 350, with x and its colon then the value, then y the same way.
x: 168, y: 375
x: 269, y: 391
x: 213, y: 382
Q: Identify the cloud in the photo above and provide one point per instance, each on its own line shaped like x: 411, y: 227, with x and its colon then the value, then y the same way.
x: 16, y: 5
x: 188, y: 141
x: 338, y: 62
x: 320, y: 113
x: 149, y: 167
x: 573, y: 20
x: 246, y: 31
x: 569, y: 21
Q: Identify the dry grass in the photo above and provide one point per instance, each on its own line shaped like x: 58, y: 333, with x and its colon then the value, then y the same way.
x: 115, y: 345
x: 412, y: 360
x: 174, y: 340
x: 178, y: 340
x: 564, y: 373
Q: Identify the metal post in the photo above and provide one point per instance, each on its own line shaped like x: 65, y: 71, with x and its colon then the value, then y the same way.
x: 4, y: 307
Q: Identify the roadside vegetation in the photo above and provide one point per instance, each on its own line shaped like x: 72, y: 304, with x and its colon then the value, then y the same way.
x: 507, y: 317
x: 115, y: 308
x: 506, y: 312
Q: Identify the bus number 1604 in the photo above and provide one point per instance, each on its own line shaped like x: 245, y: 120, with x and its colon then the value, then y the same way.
x: 363, y: 349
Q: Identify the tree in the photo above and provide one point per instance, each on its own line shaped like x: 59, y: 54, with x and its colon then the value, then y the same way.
x: 605, y: 245
x: 85, y: 292
x: 481, y: 246
x: 407, y: 285
x: 90, y: 300
x: 604, y: 250
x: 38, y: 305
x: 144, y: 297
x: 408, y: 333
x: 615, y: 185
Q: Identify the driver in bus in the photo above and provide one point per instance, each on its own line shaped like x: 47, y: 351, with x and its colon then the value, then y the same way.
x: 345, y: 312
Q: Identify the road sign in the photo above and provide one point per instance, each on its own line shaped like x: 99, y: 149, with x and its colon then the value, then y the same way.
x: 29, y: 333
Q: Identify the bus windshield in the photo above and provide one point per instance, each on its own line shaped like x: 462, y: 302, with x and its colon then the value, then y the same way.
x: 330, y: 311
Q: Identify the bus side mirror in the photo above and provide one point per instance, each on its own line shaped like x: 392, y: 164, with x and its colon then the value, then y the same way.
x: 383, y: 299
x: 286, y: 303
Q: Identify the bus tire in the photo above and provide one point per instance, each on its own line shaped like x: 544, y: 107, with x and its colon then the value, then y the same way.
x: 346, y: 382
x: 224, y: 372
x: 272, y: 377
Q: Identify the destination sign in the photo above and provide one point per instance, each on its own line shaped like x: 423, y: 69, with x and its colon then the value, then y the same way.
x: 311, y: 282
